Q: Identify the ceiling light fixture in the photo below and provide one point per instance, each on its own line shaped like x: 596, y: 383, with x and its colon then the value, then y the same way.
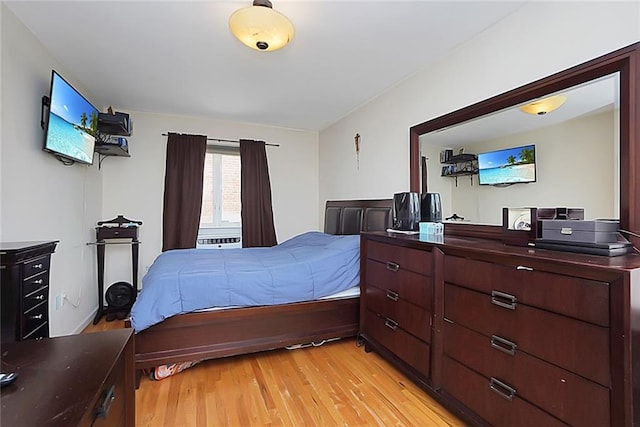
x: 260, y: 27
x: 544, y: 106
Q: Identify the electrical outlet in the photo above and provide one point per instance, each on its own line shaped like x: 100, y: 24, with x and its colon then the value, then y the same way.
x: 59, y: 300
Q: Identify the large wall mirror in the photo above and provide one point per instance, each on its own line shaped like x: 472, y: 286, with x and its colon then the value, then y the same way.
x: 587, y: 151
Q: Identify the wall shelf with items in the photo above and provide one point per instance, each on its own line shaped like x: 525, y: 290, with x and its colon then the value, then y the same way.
x: 110, y: 138
x: 458, y: 165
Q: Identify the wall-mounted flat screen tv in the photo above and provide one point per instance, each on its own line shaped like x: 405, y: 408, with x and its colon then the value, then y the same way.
x: 71, y: 125
x: 508, y: 166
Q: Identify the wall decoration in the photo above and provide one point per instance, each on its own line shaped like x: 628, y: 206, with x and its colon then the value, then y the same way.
x: 357, y: 142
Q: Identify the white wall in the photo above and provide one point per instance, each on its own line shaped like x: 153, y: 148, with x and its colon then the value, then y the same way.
x: 40, y: 198
x: 134, y: 186
x: 539, y: 39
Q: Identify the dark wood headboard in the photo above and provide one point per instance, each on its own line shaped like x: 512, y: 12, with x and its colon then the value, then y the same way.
x: 354, y: 216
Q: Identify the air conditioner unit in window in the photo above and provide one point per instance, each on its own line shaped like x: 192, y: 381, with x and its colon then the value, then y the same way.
x: 219, y: 238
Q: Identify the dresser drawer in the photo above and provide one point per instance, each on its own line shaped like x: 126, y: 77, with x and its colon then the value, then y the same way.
x: 35, y: 266
x: 407, y: 347
x: 577, y: 346
x: 405, y: 284
x: 109, y: 410
x: 580, y: 298
x: 35, y: 282
x: 35, y: 321
x: 568, y: 396
x: 400, y: 258
x: 491, y: 400
x: 411, y: 318
x: 40, y: 295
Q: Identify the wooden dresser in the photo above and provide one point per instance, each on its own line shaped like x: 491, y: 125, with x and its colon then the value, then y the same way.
x: 518, y: 336
x: 24, y: 285
x: 76, y: 380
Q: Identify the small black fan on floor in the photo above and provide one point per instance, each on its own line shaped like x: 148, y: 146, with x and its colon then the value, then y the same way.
x: 120, y: 297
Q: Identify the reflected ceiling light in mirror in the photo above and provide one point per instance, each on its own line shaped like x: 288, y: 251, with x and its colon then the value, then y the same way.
x: 260, y: 27
x: 544, y: 106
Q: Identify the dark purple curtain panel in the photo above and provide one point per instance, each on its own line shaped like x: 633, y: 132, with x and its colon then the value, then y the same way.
x: 183, y: 190
x: 255, y: 189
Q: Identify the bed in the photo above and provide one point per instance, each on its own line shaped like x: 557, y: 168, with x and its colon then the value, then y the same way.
x: 228, y: 332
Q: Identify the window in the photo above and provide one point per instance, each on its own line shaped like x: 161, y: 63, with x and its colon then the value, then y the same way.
x: 221, y: 188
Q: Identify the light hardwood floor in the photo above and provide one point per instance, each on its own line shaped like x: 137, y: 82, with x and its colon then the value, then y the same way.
x: 336, y: 384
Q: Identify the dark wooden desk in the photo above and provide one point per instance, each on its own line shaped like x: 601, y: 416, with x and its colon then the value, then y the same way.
x: 64, y: 381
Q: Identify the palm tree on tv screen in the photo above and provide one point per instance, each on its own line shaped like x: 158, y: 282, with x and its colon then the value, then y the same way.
x: 527, y: 155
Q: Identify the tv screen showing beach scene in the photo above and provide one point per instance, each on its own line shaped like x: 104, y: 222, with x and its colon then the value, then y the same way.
x: 509, y: 166
x: 72, y: 123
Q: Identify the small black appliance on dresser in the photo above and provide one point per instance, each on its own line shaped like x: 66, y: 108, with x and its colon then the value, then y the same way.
x: 406, y: 211
x: 430, y: 207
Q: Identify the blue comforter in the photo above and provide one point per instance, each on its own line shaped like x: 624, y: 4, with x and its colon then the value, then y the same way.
x: 303, y: 268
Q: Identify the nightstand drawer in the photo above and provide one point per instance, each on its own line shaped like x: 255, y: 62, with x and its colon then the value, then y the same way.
x: 110, y: 407
x: 400, y: 258
x: 116, y: 233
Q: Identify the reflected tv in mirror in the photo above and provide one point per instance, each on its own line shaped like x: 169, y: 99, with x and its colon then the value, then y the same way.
x: 72, y: 123
x: 508, y: 166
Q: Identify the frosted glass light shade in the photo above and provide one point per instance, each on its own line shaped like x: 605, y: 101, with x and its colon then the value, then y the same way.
x: 260, y: 27
x: 544, y: 106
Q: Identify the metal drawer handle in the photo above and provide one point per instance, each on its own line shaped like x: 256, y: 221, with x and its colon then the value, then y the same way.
x: 38, y: 281
x: 38, y: 266
x: 393, y: 296
x: 523, y: 267
x: 393, y: 266
x: 36, y: 317
x: 391, y: 324
x: 108, y: 396
x: 40, y: 297
x: 503, y: 300
x: 503, y: 345
x: 501, y: 389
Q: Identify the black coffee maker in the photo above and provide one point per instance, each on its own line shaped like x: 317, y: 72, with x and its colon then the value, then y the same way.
x: 406, y: 211
x: 430, y: 207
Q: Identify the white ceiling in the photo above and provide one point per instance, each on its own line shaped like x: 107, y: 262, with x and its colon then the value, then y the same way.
x: 179, y: 57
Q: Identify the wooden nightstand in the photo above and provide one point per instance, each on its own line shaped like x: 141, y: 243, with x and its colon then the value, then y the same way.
x: 76, y: 380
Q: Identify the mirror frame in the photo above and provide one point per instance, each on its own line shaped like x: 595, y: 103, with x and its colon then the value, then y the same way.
x: 625, y: 61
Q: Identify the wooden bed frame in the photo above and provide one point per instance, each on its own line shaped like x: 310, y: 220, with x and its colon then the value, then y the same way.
x: 221, y: 333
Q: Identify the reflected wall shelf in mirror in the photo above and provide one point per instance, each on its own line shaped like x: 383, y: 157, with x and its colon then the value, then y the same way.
x: 460, y: 165
x: 624, y: 64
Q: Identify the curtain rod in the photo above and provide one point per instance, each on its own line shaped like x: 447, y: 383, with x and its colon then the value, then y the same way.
x: 233, y: 140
